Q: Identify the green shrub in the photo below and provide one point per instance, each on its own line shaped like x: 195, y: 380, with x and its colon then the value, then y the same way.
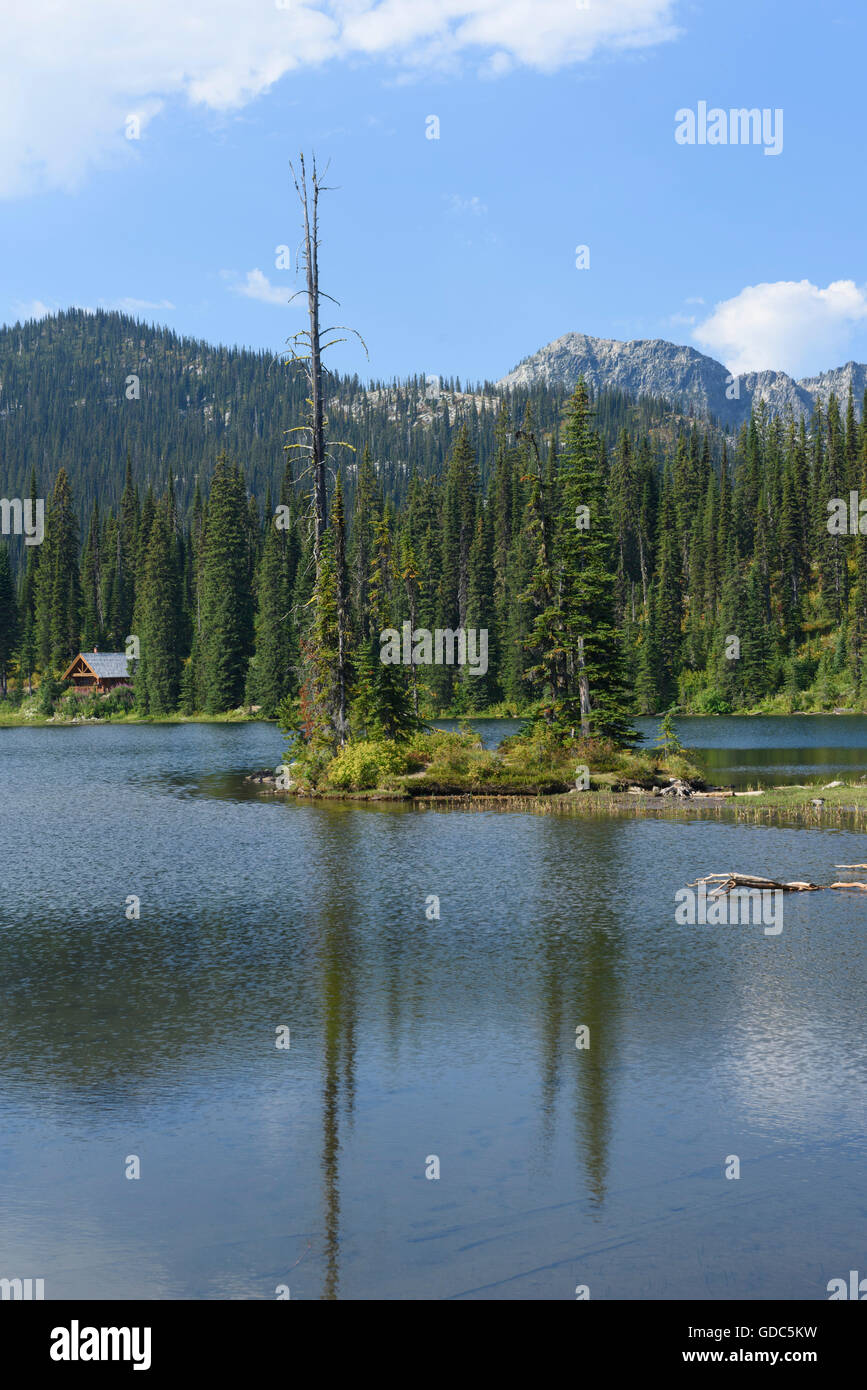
x: 431, y: 745
x: 118, y: 701
x: 713, y: 702
x: 366, y: 764
x: 49, y: 691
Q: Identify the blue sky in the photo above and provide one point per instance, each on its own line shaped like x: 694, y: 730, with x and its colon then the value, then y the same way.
x: 455, y: 255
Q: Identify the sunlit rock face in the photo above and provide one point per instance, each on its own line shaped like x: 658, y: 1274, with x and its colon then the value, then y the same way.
x: 683, y: 376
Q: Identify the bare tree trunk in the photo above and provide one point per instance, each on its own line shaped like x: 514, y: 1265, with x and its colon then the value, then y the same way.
x: 100, y: 610
x: 583, y: 691
x: 342, y: 617
x: 310, y: 206
x: 643, y: 563
x: 412, y: 670
x: 307, y: 347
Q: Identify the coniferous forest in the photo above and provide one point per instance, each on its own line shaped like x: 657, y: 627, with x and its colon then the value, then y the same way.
x: 535, y: 519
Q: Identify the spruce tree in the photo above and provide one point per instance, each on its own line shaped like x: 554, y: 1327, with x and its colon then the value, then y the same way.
x: 58, y: 601
x: 383, y: 706
x: 157, y: 679
x: 8, y: 619
x: 271, y: 678
x: 225, y: 632
x: 29, y: 648
x: 595, y: 695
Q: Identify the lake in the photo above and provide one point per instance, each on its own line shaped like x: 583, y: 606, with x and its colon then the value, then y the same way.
x: 775, y: 748
x: 749, y: 749
x: 416, y: 1038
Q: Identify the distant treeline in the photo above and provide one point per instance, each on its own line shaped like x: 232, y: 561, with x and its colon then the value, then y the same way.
x: 712, y: 583
x: 64, y: 404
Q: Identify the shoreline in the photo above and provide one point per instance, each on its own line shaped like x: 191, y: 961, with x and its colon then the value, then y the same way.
x: 31, y: 721
x: 844, y: 806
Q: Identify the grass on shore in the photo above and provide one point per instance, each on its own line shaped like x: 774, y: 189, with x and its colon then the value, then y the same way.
x: 106, y: 709
x: 534, y: 772
x: 842, y: 807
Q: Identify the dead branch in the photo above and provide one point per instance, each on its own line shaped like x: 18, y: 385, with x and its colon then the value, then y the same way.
x: 725, y: 883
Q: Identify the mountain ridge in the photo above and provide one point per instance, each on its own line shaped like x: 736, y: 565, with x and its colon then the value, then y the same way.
x: 677, y: 372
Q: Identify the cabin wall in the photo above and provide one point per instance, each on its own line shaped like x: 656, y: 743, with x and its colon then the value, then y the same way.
x: 99, y: 686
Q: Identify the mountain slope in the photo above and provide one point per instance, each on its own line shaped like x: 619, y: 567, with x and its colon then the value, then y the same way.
x: 654, y: 367
x: 64, y: 403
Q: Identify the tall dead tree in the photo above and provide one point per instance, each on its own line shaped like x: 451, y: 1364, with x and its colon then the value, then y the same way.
x: 310, y: 338
x: 306, y: 348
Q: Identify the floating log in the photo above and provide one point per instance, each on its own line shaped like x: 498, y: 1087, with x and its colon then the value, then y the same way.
x: 861, y: 886
x: 850, y: 866
x: 726, y: 882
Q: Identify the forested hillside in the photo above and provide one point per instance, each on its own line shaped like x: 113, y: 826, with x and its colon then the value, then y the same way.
x: 64, y: 404
x: 705, y: 572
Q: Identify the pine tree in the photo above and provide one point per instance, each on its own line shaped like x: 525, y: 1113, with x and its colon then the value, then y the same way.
x: 92, y: 616
x: 668, y: 599
x: 8, y: 619
x: 343, y: 658
x: 58, y: 602
x: 225, y: 634
x: 481, y: 687
x: 157, y: 680
x: 272, y: 673
x: 858, y: 627
x: 595, y: 690
x: 383, y: 706
x: 367, y: 511
x: 540, y: 601
x: 29, y: 647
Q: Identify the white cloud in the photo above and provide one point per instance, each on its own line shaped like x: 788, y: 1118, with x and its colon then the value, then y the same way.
x: 472, y: 206
x: 32, y: 309
x: 71, y: 76
x: 791, y: 326
x: 137, y: 306
x: 256, y: 285
x: 38, y: 309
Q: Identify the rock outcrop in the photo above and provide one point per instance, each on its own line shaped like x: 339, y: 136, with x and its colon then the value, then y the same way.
x: 682, y: 376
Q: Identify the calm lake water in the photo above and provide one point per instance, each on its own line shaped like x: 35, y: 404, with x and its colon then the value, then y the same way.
x: 413, y: 1038
x: 745, y: 751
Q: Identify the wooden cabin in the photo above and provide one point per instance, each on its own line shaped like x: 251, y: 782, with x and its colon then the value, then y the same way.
x: 98, y: 671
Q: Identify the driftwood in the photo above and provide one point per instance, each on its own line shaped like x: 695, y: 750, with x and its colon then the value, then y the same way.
x: 726, y: 882
x: 676, y: 788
